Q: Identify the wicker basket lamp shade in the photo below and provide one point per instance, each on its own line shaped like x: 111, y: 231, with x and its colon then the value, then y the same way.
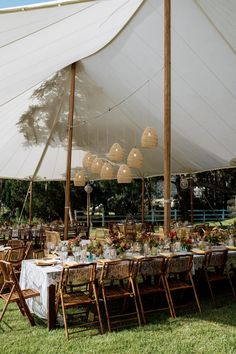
x: 149, y: 138
x: 79, y: 179
x: 124, y: 174
x: 106, y: 171
x: 116, y: 153
x: 88, y: 160
x: 97, y: 165
x: 135, y: 158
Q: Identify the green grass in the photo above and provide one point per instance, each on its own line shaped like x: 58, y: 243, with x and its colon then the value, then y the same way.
x: 213, y: 331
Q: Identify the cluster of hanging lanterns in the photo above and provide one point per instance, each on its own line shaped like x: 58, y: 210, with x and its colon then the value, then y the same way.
x: 98, y: 166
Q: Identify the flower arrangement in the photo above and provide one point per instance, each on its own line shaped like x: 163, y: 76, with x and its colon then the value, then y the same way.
x: 74, y: 241
x: 187, y: 244
x: 216, y: 236
x: 117, y: 240
x: 96, y: 248
x: 151, y: 238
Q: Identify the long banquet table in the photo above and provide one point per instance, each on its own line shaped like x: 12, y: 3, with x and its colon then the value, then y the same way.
x: 45, y: 278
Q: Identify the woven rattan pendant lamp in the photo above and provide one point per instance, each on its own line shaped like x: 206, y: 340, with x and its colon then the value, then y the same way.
x: 149, y: 138
x: 106, y: 171
x: 97, y: 165
x: 116, y: 153
x: 135, y: 158
x: 124, y: 174
x: 79, y: 179
x: 88, y: 160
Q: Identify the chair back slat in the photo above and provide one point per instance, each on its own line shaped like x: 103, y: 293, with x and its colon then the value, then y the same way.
x: 121, y: 269
x: 216, y: 258
x: 151, y: 266
x: 6, y: 269
x: 15, y: 255
x: 179, y: 264
x: 78, y: 275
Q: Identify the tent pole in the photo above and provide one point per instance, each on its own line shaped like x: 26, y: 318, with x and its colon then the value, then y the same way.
x: 191, y: 198
x: 142, y: 202
x: 167, y: 116
x: 69, y: 149
x: 31, y: 203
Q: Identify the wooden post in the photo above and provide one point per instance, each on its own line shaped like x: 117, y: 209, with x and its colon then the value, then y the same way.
x: 191, y: 198
x: 88, y: 210
x: 142, y: 202
x: 31, y: 203
x: 69, y: 149
x: 167, y: 116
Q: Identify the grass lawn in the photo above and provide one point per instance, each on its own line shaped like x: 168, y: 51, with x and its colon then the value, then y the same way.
x: 213, y: 331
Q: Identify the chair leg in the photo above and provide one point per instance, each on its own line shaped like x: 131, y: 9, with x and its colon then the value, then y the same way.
x: 231, y: 284
x: 106, y: 309
x: 64, y: 315
x: 210, y: 288
x: 6, y: 303
x: 136, y: 305
x: 170, y: 298
x: 140, y: 303
x: 195, y: 293
x: 167, y: 297
x: 98, y: 309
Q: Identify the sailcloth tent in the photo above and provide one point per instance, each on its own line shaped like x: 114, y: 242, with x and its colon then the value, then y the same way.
x: 118, y: 47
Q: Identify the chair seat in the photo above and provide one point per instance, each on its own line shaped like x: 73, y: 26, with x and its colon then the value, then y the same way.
x: 216, y: 277
x: 71, y: 300
x: 175, y: 284
x: 27, y: 293
x: 149, y: 289
x: 116, y: 292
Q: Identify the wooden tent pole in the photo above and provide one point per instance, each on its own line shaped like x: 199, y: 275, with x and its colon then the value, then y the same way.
x: 31, y: 203
x: 191, y: 198
x: 167, y: 116
x: 69, y: 149
x: 142, y: 202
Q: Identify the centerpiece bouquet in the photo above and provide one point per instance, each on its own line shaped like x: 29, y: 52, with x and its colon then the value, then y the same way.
x: 117, y: 240
x: 96, y: 248
x: 216, y: 236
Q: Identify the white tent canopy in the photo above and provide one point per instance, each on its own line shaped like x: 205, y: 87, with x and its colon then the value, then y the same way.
x: 119, y: 84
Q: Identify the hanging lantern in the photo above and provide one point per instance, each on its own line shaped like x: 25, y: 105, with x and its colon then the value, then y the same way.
x: 97, y: 166
x: 116, y: 153
x: 79, y: 179
x: 124, y: 174
x: 107, y: 171
x: 88, y: 160
x: 135, y: 158
x: 149, y: 138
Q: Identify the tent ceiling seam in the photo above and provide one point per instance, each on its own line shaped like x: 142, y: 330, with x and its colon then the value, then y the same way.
x: 215, y: 27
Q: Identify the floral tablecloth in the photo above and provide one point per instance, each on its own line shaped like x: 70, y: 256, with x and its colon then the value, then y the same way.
x: 39, y: 278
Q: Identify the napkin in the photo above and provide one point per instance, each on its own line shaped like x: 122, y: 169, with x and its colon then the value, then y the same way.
x: 45, y: 262
x: 198, y: 251
x: 231, y: 248
x: 168, y: 254
x: 70, y: 264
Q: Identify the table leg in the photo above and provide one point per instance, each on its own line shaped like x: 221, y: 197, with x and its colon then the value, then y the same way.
x: 51, y: 307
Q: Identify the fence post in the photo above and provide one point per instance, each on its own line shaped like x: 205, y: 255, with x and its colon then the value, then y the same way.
x: 223, y: 214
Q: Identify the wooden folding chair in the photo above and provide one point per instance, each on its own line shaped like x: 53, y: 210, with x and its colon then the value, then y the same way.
x: 77, y: 290
x: 150, y: 282
x: 28, y: 246
x: 15, y: 256
x: 215, y: 270
x: 15, y: 243
x: 11, y: 292
x: 117, y: 283
x: 178, y: 277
